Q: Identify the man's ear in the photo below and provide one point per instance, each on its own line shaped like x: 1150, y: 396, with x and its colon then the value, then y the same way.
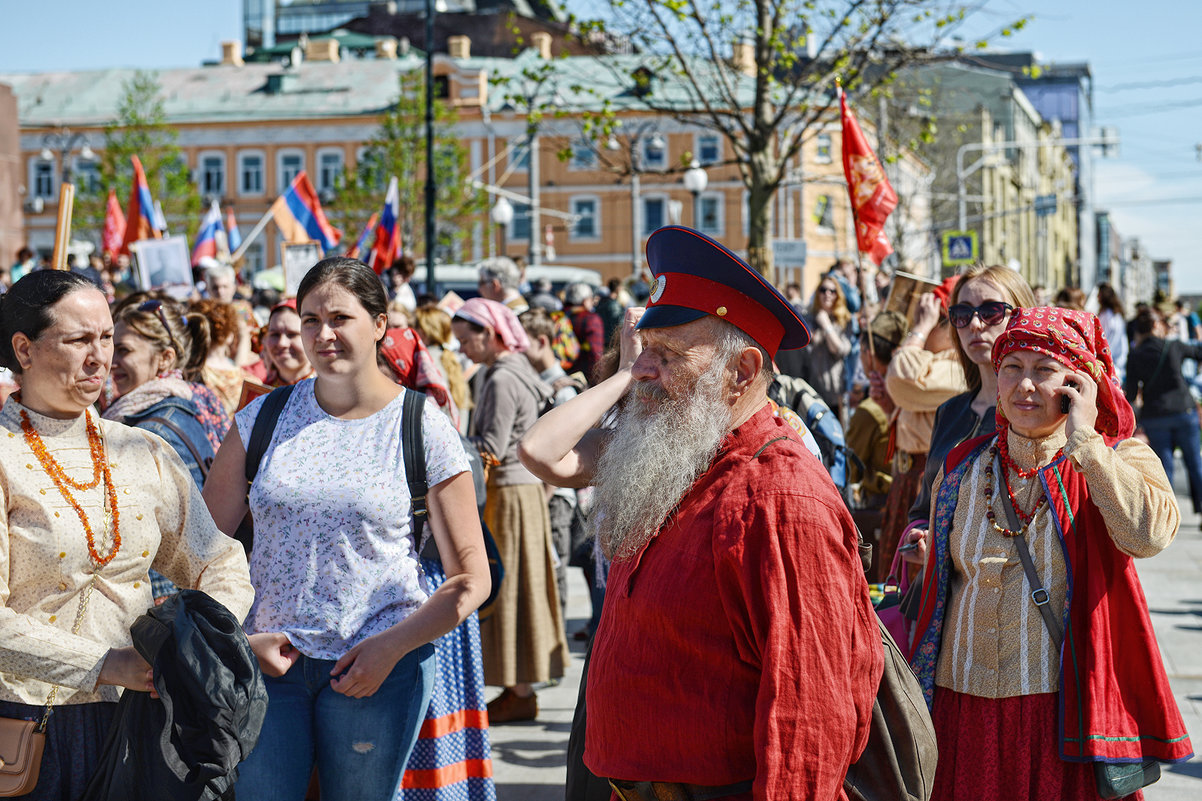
x: 748, y: 368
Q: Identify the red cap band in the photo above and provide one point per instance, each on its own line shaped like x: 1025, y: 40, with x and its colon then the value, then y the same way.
x: 722, y: 301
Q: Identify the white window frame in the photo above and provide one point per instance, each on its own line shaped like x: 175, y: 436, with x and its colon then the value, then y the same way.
x: 595, y: 236
x: 243, y: 155
x: 200, y: 173
x: 320, y: 184
x: 719, y: 198
x: 584, y: 157
x: 644, y: 228
x: 34, y: 189
x: 698, y: 146
x: 280, y: 182
x: 821, y: 142
x: 645, y: 161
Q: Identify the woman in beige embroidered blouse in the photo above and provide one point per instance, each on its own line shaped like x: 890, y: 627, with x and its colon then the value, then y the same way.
x: 91, y: 505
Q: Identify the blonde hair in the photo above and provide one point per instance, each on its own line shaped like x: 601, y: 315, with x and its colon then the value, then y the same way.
x: 434, y: 326
x: 840, y: 314
x: 1015, y: 291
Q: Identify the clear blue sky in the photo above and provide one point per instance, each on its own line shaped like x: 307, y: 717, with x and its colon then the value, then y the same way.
x: 1146, y: 62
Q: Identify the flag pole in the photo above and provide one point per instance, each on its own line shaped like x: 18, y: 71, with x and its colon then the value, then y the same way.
x: 855, y: 222
x: 254, y: 233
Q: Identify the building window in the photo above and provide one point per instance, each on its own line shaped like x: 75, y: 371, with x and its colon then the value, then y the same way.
x: 655, y: 214
x: 43, y: 179
x: 329, y: 169
x: 823, y: 149
x: 291, y: 162
x: 520, y: 156
x: 709, y: 214
x: 250, y: 173
x: 587, y: 225
x: 371, y: 173
x: 212, y: 174
x: 583, y: 156
x: 822, y: 212
x: 252, y: 258
x: 87, y: 175
x: 654, y: 152
x: 520, y: 227
x: 709, y: 149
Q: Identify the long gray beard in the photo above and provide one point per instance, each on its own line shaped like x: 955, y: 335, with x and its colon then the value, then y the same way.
x: 653, y: 458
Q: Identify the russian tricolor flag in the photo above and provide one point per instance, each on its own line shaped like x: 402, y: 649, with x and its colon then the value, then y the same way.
x: 388, y: 232
x: 139, y: 219
x: 206, y: 240
x: 299, y: 217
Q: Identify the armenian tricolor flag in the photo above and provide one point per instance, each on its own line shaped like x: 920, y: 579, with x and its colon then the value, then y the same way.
x: 299, y: 217
x: 361, y: 243
x: 139, y: 218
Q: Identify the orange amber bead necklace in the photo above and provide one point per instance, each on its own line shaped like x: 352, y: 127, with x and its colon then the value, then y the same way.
x: 100, y: 470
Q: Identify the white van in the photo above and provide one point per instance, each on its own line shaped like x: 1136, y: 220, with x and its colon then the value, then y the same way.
x: 464, y: 279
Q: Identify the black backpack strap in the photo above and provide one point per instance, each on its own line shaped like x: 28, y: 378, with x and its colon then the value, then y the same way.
x: 179, y: 432
x: 264, y: 429
x: 414, y: 451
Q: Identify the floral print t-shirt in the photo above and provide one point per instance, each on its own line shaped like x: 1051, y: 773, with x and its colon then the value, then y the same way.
x: 334, y: 561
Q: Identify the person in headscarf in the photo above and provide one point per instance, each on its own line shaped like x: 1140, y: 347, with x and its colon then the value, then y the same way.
x: 404, y: 359
x: 1022, y: 704
x: 522, y: 632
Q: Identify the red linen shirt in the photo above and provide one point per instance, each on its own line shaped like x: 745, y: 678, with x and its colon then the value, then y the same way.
x: 740, y: 643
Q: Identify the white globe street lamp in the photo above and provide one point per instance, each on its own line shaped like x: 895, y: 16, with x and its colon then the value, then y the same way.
x: 502, y: 216
x: 695, y: 180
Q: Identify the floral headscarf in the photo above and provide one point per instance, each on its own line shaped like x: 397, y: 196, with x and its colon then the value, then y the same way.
x: 500, y: 318
x: 1075, y: 339
x: 411, y: 361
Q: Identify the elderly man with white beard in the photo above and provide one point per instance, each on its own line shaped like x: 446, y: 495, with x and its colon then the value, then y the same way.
x: 738, y: 654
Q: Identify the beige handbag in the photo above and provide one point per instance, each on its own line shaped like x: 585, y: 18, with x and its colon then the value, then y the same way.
x: 22, y: 741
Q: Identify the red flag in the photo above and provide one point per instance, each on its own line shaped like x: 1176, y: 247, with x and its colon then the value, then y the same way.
x: 114, y: 227
x: 872, y: 198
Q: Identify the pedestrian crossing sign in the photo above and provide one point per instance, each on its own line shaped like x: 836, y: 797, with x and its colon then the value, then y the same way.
x: 959, y: 247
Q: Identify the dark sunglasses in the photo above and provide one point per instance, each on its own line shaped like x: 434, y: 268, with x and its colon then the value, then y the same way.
x: 156, y: 306
x: 991, y: 312
x: 827, y: 290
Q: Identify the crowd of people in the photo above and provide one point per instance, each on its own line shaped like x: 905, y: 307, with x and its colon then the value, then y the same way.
x: 389, y: 493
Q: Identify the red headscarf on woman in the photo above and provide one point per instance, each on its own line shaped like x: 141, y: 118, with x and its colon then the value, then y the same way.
x: 414, y: 366
x: 1075, y: 339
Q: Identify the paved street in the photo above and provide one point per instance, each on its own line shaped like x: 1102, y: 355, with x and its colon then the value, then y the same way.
x: 528, y: 758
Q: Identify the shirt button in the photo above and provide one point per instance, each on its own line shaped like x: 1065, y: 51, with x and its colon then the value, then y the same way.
x: 126, y: 490
x: 62, y: 585
x: 997, y: 590
x: 53, y: 618
x: 145, y: 553
x: 137, y: 584
x: 62, y: 555
x: 137, y: 517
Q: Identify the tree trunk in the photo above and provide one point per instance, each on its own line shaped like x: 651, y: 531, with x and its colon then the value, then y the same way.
x: 759, y: 211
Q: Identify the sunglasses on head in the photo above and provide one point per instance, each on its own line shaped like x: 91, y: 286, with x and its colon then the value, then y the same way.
x: 991, y: 312
x: 156, y: 306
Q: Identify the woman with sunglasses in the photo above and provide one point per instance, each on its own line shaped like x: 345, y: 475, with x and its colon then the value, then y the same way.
x: 90, y: 506
x: 923, y: 374
x: 829, y: 321
x: 982, y: 302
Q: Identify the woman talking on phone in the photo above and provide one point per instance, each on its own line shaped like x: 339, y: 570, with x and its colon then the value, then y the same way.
x: 1034, y: 643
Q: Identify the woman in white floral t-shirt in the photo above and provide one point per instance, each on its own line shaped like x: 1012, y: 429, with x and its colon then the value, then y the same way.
x: 342, y: 621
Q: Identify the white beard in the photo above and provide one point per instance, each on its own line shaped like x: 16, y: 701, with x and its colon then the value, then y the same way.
x: 655, y: 454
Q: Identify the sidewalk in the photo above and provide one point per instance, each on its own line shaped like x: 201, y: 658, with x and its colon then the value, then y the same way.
x: 529, y: 758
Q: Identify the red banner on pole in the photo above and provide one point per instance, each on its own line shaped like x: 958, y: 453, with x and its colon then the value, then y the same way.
x: 872, y: 197
x: 114, y: 227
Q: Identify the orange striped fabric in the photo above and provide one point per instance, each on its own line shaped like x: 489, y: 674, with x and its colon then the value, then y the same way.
x: 450, y: 774
x: 460, y: 719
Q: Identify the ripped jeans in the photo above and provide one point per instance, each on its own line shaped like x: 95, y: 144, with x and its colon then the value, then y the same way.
x: 360, y: 745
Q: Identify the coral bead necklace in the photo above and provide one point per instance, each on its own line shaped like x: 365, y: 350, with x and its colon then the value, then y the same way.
x: 64, y: 483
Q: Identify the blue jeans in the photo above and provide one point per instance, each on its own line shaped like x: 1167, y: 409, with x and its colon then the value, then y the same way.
x: 1166, y: 434
x: 360, y: 745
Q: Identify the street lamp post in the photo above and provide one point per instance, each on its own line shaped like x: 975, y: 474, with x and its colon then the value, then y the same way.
x: 696, y: 180
x: 502, y: 215
x: 62, y: 142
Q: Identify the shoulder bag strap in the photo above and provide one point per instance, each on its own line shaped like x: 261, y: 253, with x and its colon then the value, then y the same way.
x: 1039, y: 595
x: 263, y: 430
x: 414, y: 451
x: 179, y: 432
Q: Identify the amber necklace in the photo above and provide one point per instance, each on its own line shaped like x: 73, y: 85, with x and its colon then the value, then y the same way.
x: 64, y: 483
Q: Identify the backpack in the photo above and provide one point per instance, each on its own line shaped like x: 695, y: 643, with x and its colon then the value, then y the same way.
x: 564, y: 344
x: 823, y: 423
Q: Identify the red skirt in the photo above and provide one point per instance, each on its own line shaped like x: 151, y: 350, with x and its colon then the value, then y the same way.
x: 1004, y: 749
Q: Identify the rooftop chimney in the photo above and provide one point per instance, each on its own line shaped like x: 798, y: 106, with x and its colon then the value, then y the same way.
x: 231, y: 54
x: 459, y: 47
x: 386, y: 48
x: 743, y: 57
x: 542, y: 41
x: 322, y: 50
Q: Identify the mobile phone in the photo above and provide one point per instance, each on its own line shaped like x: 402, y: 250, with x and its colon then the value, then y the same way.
x: 908, y: 547
x: 1065, y: 403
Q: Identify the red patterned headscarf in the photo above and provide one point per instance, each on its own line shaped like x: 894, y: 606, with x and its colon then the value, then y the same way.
x: 1075, y: 339
x: 414, y: 366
